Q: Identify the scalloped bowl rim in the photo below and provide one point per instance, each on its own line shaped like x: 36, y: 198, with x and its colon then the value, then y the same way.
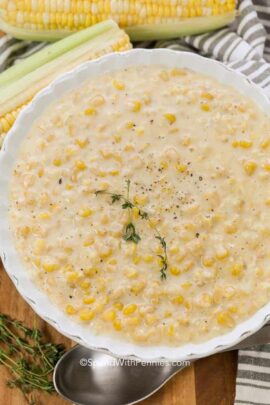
x: 38, y: 300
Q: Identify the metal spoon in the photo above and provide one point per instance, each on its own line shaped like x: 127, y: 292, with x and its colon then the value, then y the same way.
x: 90, y: 377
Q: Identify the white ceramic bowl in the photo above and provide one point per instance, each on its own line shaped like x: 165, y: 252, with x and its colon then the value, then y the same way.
x: 20, y: 276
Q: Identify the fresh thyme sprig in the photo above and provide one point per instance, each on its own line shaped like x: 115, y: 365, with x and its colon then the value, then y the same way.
x: 163, y: 258
x: 130, y: 234
x: 28, y: 358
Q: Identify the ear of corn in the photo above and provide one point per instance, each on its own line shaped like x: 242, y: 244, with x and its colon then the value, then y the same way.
x: 143, y: 19
x: 20, y: 83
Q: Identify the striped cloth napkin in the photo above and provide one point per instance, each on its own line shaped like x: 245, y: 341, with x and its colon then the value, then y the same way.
x: 244, y: 46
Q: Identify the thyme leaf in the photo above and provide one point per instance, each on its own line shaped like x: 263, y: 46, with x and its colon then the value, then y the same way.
x: 127, y: 204
x: 130, y: 234
x: 116, y: 197
x: 28, y: 358
x: 163, y: 258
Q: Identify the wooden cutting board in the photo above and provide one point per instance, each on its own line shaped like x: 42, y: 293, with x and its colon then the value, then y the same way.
x: 209, y: 381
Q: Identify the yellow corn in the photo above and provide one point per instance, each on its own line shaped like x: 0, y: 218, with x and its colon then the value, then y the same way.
x: 129, y: 309
x: 250, y: 167
x: 109, y: 315
x: 148, y: 19
x: 19, y: 84
x: 87, y: 315
x: 171, y: 118
x: 70, y: 310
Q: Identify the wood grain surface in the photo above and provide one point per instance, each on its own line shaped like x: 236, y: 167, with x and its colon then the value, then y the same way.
x: 209, y: 381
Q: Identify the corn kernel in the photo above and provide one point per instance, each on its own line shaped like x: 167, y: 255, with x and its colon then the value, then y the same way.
x: 132, y: 274
x: 259, y: 272
x: 87, y: 315
x: 89, y: 300
x: 136, y: 106
x: 171, y: 118
x: 109, y: 315
x: 250, y: 167
x: 148, y: 259
x: 153, y: 222
x: 90, y: 111
x: 208, y: 261
x: 57, y: 162
x: 265, y: 143
x: 230, y: 228
x: 117, y: 138
x: 187, y: 266
x: 170, y: 330
x: 97, y: 101
x: 39, y: 246
x: 167, y: 314
x: 224, y: 318
x: 245, y: 144
x: 41, y: 172
x: 114, y: 172
x: 130, y: 125
x: 85, y: 285
x: 135, y: 212
x: 178, y: 300
x: 25, y: 231
x: 129, y: 309
x: 207, y: 95
x: 140, y: 200
x: 129, y: 147
x: 164, y: 75
x: 70, y: 310
x: 233, y: 309
x: 112, y: 261
x: 186, y: 285
x: 222, y: 253
x: 90, y: 272
x: 150, y: 319
x: 88, y: 242
x: 118, y: 305
x: 69, y: 187
x: 174, y: 271
x: 181, y: 168
x: 50, y: 267
x: 138, y: 287
x: 174, y: 249
x: 178, y: 72
x: 72, y: 277
x: 205, y: 107
x: 118, y: 85
x: 85, y: 213
x: 80, y: 165
x: 187, y: 305
x: 164, y: 165
x: 140, y: 131
x: 133, y: 321
x: 136, y: 259
x: 237, y: 269
x: 266, y: 167
x: 117, y: 325
x: 81, y: 142
x: 44, y: 215
x: 105, y: 252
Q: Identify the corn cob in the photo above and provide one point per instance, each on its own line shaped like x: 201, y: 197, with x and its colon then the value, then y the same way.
x: 21, y: 82
x: 142, y: 19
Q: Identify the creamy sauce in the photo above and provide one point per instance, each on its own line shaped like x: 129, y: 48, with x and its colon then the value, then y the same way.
x: 186, y: 257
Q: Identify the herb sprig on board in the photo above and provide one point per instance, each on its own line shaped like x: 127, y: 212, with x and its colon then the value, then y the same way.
x: 29, y: 359
x: 130, y: 233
